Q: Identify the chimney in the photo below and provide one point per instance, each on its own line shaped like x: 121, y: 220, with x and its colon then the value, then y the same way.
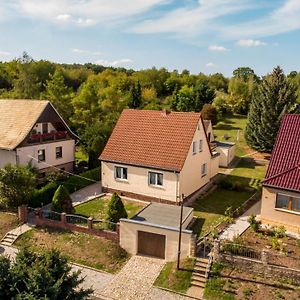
x: 165, y: 112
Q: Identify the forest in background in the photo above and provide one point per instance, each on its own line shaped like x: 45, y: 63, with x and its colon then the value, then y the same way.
x: 90, y: 97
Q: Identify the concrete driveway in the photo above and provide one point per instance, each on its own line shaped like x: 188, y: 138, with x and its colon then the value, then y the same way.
x: 86, y: 193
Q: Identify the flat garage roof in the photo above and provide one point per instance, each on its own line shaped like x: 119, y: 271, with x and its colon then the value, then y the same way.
x: 162, y: 214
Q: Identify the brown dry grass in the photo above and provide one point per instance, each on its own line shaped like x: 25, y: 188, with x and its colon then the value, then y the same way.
x: 81, y: 248
x: 8, y: 222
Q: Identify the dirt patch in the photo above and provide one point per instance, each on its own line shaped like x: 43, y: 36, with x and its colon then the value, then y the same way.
x: 8, y: 221
x: 82, y: 248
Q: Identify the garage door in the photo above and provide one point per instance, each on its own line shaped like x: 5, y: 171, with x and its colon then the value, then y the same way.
x: 151, y: 244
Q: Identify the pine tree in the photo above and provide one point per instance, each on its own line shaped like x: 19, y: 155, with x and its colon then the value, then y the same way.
x: 116, y: 209
x: 62, y: 201
x: 274, y: 97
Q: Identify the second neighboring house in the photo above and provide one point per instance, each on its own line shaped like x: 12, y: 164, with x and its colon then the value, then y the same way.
x: 281, y: 187
x: 158, y: 156
x: 33, y: 131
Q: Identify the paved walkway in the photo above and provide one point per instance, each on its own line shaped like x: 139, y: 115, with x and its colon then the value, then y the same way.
x: 241, y: 224
x: 87, y: 193
x: 135, y: 280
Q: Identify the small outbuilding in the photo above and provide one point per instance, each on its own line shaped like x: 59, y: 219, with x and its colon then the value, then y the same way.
x: 226, y: 151
x: 154, y: 231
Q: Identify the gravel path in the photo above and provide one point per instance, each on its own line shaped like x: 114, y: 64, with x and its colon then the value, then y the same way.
x: 135, y: 280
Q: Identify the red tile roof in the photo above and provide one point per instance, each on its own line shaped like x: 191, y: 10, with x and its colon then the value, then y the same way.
x: 284, y: 168
x: 152, y: 138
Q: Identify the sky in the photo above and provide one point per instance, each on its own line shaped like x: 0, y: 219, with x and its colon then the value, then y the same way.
x: 207, y: 36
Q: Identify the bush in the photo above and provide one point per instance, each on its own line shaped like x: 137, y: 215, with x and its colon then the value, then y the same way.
x: 75, y: 183
x: 62, y: 201
x: 208, y: 112
x: 279, y: 231
x: 253, y: 223
x: 116, y: 209
x: 44, y: 195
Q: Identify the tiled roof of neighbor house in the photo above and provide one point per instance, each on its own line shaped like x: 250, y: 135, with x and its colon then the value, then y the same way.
x: 17, y: 117
x: 163, y: 215
x: 152, y: 138
x: 284, y: 168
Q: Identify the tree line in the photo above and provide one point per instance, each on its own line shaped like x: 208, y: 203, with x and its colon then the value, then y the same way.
x: 90, y: 97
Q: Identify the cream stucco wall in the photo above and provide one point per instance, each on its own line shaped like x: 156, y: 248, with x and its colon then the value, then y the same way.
x: 137, y: 181
x: 7, y: 157
x: 129, y: 239
x: 25, y: 154
x: 226, y: 155
x: 277, y: 217
x: 190, y: 179
x: 209, y: 130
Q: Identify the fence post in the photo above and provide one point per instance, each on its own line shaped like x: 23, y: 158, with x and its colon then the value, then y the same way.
x: 216, y: 250
x: 264, y: 257
x: 63, y: 218
x: 23, y: 213
x: 90, y: 223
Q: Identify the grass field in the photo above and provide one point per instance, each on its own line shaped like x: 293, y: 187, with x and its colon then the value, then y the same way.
x: 81, y: 248
x: 172, y: 279
x: 98, y: 208
x: 234, y: 128
x: 7, y: 223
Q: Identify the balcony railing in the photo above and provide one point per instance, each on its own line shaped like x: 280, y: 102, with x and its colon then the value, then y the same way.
x: 45, y: 137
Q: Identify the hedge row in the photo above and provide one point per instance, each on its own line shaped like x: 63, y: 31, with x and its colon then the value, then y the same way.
x: 45, y: 194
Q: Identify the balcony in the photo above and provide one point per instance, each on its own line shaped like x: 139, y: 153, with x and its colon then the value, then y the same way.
x: 46, y: 137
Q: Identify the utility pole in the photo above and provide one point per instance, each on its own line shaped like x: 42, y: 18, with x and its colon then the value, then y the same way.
x: 180, y: 231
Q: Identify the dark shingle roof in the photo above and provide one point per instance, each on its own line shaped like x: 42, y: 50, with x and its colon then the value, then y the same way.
x: 284, y: 168
x: 152, y: 138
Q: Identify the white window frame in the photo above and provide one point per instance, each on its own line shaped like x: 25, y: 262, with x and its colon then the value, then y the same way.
x: 194, y: 147
x: 290, y: 203
x: 61, y: 152
x: 156, y: 174
x: 38, y: 155
x: 122, y: 173
x: 204, y: 169
x: 200, y: 145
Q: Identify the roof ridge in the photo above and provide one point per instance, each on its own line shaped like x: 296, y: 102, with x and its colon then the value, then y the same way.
x: 282, y: 173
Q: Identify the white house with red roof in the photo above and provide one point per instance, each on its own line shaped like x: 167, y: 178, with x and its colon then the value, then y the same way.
x: 281, y: 186
x: 158, y: 156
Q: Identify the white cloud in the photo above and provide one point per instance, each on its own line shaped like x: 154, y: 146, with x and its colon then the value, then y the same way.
x: 84, y: 12
x: 217, y: 48
x: 250, y: 43
x: 82, y: 51
x: 4, y: 53
x: 210, y: 65
x: 191, y: 20
x: 115, y: 63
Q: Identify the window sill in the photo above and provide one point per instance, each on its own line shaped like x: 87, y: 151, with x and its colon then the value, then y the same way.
x: 203, y: 175
x: 122, y: 180
x: 194, y: 153
x: 288, y: 211
x: 161, y: 187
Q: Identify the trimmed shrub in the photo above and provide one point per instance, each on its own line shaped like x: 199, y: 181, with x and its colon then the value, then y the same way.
x: 116, y: 209
x: 254, y: 224
x: 62, y: 201
x: 43, y: 195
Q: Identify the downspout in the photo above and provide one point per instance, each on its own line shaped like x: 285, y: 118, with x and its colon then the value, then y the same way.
x: 177, y: 193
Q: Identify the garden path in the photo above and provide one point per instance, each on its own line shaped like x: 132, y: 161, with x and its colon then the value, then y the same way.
x: 87, y: 193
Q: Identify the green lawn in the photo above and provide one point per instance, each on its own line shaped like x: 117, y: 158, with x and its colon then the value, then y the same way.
x: 172, y: 279
x: 80, y: 155
x: 211, y: 209
x: 97, y: 208
x: 234, y: 127
x: 81, y: 248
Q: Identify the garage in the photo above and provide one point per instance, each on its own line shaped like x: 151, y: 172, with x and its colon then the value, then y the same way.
x: 154, y: 231
x: 151, y: 244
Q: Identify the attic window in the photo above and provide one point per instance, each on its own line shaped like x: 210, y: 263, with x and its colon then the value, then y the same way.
x: 194, y: 147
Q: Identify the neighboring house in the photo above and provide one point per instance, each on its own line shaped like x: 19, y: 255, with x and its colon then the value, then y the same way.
x: 281, y: 187
x: 158, y: 156
x: 33, y: 131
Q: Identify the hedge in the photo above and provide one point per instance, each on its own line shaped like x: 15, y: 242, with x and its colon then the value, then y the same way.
x: 45, y: 194
x: 74, y: 183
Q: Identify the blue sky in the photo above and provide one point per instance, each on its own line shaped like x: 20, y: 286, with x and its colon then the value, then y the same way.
x: 206, y: 36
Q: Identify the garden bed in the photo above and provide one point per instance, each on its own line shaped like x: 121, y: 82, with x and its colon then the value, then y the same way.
x: 8, y: 221
x: 81, y: 248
